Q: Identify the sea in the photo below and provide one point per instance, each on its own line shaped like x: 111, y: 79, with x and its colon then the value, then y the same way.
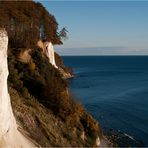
x: 114, y: 90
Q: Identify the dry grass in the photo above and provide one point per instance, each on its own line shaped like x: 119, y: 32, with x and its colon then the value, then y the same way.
x: 46, y: 129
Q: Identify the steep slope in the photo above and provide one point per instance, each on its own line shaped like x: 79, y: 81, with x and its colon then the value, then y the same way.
x: 44, y: 109
x: 42, y: 126
x: 49, y: 51
x: 8, y: 127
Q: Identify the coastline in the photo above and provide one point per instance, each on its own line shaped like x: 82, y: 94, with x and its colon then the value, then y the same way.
x: 107, y: 105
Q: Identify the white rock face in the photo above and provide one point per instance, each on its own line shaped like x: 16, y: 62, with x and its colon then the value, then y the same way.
x: 98, y: 141
x: 49, y: 51
x: 6, y: 118
x: 9, y: 135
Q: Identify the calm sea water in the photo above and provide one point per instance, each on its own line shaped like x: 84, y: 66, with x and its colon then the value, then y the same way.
x: 114, y: 89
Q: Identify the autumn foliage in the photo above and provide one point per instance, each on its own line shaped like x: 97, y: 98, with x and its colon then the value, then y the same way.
x: 26, y: 22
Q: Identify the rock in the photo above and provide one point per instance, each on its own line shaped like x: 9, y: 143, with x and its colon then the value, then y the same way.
x: 40, y: 44
x: 98, y: 141
x: 25, y: 56
x: 9, y: 135
x: 65, y: 74
x: 55, y: 59
x: 6, y: 115
x: 49, y: 51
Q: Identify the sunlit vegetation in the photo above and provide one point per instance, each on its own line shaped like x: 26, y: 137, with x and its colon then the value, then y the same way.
x: 26, y: 22
x: 37, y: 87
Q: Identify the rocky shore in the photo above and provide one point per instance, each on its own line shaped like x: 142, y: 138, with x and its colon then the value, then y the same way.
x: 120, y: 139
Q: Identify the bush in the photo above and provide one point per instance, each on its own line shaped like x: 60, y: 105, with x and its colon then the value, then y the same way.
x: 40, y: 79
x: 32, y: 67
x: 25, y: 92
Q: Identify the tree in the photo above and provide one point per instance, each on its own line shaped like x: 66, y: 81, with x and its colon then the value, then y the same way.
x: 27, y: 22
x: 42, y: 32
x: 63, y: 33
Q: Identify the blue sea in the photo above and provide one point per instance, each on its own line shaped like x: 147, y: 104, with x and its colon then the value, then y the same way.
x: 114, y: 89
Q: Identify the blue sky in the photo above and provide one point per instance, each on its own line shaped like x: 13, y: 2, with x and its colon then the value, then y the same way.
x: 102, y: 27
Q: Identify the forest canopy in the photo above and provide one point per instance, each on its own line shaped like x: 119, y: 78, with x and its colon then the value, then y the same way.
x: 27, y: 22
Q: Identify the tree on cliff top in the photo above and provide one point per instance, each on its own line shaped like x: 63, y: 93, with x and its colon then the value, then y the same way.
x: 26, y: 22
x: 63, y: 33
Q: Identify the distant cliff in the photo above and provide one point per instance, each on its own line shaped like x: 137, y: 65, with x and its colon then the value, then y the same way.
x: 44, y: 110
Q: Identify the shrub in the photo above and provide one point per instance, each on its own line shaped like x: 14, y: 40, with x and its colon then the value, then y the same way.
x: 25, y: 92
x: 32, y: 66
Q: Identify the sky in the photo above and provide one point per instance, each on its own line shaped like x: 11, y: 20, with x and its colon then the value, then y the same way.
x: 102, y: 27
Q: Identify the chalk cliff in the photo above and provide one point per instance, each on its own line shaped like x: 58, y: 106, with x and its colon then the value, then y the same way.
x: 9, y: 135
x: 43, y: 108
x: 55, y: 59
x: 49, y: 51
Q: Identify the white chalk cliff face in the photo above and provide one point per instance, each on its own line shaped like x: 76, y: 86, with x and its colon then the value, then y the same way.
x: 49, y: 51
x: 9, y: 135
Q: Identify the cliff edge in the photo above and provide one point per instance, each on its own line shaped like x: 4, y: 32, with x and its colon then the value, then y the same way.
x: 8, y: 126
x: 43, y: 109
x: 43, y: 106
